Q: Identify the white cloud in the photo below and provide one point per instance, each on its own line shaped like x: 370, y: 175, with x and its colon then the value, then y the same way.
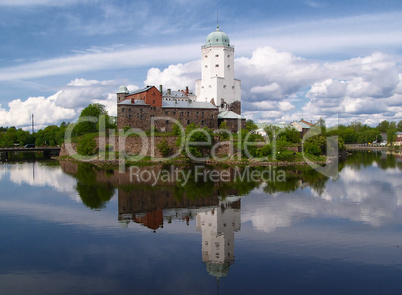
x: 175, y: 76
x: 65, y: 105
x: 88, y: 62
x: 46, y: 112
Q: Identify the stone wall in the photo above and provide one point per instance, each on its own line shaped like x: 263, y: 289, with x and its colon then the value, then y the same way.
x: 235, y: 107
x: 134, y: 145
x: 233, y: 124
x: 140, y: 116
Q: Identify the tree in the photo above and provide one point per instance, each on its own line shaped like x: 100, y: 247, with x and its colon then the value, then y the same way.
x: 356, y: 126
x: 321, y: 123
x: 272, y: 131
x: 250, y: 125
x: 289, y: 134
x: 86, y: 145
x: 94, y: 110
x: 399, y: 126
x: 383, y: 126
x: 391, y: 136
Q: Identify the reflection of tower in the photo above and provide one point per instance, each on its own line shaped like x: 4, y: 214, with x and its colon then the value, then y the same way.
x: 218, y: 226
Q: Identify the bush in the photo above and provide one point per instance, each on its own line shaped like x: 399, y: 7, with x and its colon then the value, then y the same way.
x: 86, y: 145
x: 312, y: 149
x: 264, y: 151
x: 286, y: 155
x: 164, y: 148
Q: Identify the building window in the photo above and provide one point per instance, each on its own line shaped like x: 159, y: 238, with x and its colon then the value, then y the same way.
x: 129, y: 116
x: 181, y: 114
x: 202, y: 87
x: 166, y: 113
x: 206, y: 55
x: 167, y: 122
x: 142, y: 117
x: 154, y: 101
x: 224, y: 86
x: 197, y: 114
x: 122, y: 110
x: 188, y: 114
x: 228, y: 55
x: 217, y: 55
x: 206, y: 66
x: 228, y: 66
x: 202, y: 114
x: 216, y: 66
x: 217, y: 40
x: 202, y: 122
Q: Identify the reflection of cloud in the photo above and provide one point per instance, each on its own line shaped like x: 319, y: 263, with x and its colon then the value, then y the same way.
x: 362, y: 196
x: 36, y: 174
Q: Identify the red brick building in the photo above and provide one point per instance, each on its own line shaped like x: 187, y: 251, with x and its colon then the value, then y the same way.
x: 144, y: 107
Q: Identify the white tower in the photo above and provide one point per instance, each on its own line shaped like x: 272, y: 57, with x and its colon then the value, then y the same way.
x: 217, y: 84
x: 218, y: 226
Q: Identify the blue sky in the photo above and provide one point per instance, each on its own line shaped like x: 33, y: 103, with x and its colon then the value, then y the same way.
x: 296, y: 59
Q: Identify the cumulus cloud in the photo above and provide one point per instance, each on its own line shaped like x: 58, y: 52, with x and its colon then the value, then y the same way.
x: 65, y: 105
x: 280, y: 86
x: 175, y: 76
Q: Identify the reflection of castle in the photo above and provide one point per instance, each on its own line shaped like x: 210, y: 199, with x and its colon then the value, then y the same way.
x: 218, y: 226
x: 216, y: 219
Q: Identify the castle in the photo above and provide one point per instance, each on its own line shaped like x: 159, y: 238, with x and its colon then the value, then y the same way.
x: 217, y: 99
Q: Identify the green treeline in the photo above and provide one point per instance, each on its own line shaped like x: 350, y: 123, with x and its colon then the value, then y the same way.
x: 53, y: 135
x: 356, y: 132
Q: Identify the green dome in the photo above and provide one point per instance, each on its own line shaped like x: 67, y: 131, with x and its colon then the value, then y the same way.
x: 122, y: 89
x: 217, y: 38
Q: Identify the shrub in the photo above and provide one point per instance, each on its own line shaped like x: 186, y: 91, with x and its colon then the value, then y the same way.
x: 312, y: 149
x: 265, y: 150
x: 86, y: 145
x: 285, y: 155
x: 164, y: 148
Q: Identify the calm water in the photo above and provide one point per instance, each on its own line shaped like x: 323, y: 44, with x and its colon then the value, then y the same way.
x: 76, y: 229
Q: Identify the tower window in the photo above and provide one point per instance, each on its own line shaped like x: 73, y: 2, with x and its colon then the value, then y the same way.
x: 216, y: 66
x: 206, y: 66
x: 217, y: 55
x: 228, y: 55
x: 228, y: 66
x: 205, y: 56
x: 224, y: 86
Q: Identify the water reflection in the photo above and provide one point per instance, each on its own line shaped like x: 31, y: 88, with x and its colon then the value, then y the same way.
x: 309, y: 228
x: 368, y: 198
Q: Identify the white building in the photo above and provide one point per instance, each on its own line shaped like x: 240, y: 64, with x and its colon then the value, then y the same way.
x: 218, y: 226
x: 217, y: 84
